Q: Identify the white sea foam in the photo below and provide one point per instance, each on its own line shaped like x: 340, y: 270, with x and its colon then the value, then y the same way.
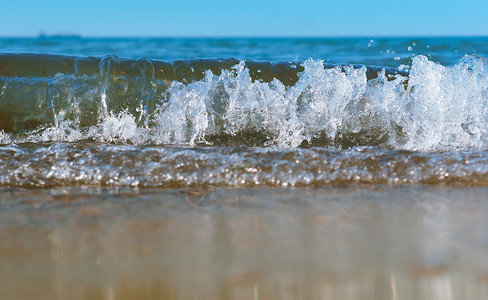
x: 435, y: 108
x: 4, y: 138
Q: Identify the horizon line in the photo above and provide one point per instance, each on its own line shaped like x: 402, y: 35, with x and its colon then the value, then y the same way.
x: 80, y: 36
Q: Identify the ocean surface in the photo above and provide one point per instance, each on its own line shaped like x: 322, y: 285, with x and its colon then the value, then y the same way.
x: 322, y: 167
x: 243, y: 112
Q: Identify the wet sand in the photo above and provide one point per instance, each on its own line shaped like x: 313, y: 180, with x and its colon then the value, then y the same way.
x: 378, y: 242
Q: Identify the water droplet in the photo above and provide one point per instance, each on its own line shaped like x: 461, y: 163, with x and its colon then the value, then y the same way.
x: 397, y: 58
x: 410, y: 48
x: 403, y: 67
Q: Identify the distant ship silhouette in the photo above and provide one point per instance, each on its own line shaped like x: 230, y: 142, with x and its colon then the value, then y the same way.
x: 43, y: 35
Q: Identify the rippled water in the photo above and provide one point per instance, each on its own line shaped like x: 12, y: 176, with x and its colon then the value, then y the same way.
x: 390, y: 52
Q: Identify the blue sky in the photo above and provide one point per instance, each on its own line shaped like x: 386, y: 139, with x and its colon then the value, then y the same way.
x: 244, y: 17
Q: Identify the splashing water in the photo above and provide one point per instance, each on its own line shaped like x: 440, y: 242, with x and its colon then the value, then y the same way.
x: 432, y: 108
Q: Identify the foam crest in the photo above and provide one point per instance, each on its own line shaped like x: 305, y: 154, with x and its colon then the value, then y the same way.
x: 446, y: 107
x: 232, y: 104
x: 434, y: 108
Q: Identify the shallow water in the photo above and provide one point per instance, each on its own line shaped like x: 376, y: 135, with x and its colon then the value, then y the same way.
x: 243, y: 168
x: 72, y: 164
x: 414, y: 242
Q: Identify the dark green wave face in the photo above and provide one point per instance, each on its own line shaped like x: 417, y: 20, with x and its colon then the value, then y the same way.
x: 192, y: 102
x: 229, y: 102
x: 217, y: 107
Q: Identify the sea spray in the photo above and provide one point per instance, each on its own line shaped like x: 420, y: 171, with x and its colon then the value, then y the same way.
x: 339, y: 107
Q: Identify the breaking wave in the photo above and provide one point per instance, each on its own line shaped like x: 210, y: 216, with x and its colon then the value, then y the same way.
x: 424, y: 106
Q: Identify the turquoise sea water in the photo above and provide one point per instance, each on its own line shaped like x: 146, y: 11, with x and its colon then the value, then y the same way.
x: 389, y: 52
